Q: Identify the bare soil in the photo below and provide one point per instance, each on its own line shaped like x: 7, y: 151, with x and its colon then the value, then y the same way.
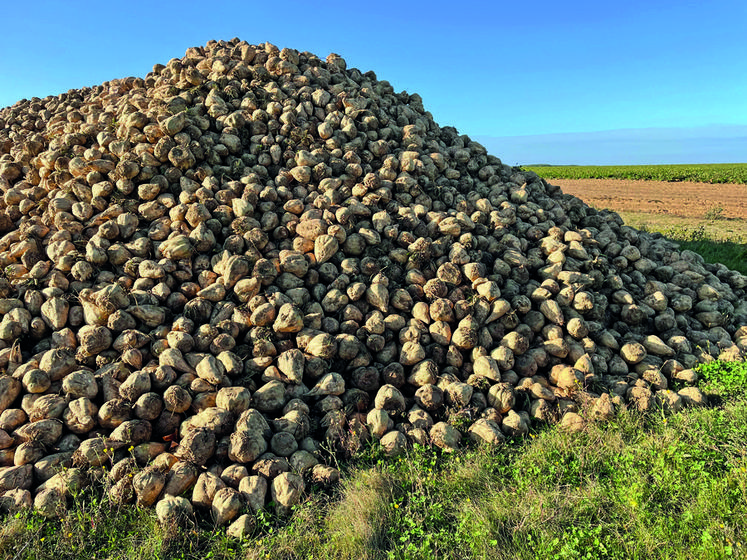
x: 671, y: 208
x: 687, y: 200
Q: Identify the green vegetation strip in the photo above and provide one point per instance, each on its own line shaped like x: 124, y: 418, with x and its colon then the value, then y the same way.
x: 702, y: 173
x: 654, y: 487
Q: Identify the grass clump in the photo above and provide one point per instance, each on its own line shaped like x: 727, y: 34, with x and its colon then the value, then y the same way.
x: 728, y: 379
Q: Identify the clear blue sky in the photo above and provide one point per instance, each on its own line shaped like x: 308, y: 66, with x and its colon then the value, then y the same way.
x: 492, y: 69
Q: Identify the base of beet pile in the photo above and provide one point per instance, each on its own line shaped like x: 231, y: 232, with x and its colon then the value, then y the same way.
x: 212, y: 272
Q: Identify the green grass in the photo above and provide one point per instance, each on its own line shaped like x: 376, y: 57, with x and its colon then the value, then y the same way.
x: 703, y: 173
x: 726, y: 379
x: 648, y: 487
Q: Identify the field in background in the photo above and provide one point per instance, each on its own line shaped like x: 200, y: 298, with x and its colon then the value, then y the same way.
x: 704, y: 173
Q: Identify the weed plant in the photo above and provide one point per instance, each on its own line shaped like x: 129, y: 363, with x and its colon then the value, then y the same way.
x: 725, y: 379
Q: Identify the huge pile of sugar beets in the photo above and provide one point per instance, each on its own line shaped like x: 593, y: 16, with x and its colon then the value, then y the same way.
x: 212, y: 274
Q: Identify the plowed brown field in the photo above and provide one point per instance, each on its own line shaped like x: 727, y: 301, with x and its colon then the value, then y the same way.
x: 663, y: 206
x: 688, y: 200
